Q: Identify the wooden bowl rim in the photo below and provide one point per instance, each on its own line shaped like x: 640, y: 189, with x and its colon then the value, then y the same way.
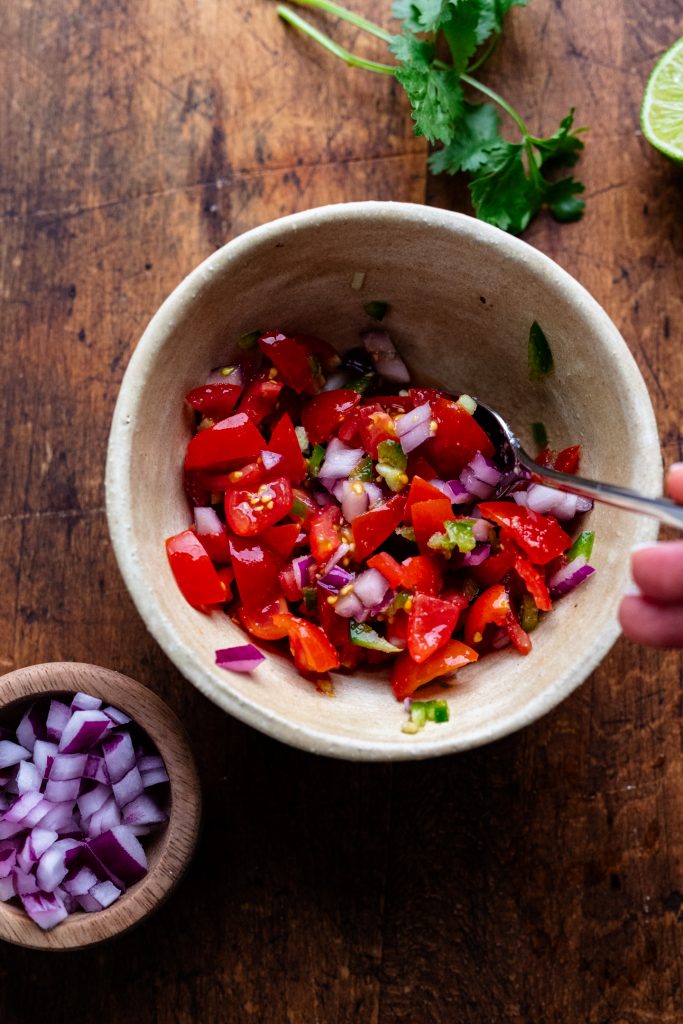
x: 176, y: 844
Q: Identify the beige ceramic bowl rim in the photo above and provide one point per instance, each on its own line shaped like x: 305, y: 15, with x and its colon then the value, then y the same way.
x: 176, y: 844
x: 118, y: 498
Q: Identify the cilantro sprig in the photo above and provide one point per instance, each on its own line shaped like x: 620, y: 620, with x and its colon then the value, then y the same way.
x: 510, y: 181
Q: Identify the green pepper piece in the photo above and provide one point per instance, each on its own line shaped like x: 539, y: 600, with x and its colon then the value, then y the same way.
x: 395, y: 479
x: 362, y: 384
x: 583, y: 545
x: 528, y: 614
x: 299, y: 509
x: 459, y: 534
x: 441, y: 712
x: 391, y: 454
x: 418, y: 713
x: 539, y: 354
x: 249, y: 340
x: 363, y: 471
x: 377, y: 310
x: 407, y: 532
x: 365, y: 636
x: 401, y: 598
x: 540, y: 435
x: 316, y: 459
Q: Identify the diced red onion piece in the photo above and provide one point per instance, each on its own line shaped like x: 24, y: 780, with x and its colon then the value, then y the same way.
x: 302, y: 566
x: 59, y: 791
x: 147, y: 761
x: 387, y: 361
x: 91, y: 801
x: 7, y: 888
x: 8, y: 859
x: 22, y: 807
x: 44, y: 754
x: 336, y: 558
x: 54, y: 864
x: 383, y: 604
x: 80, y: 880
x: 337, y: 380
x: 83, y: 730
x: 583, y: 504
x: 500, y: 639
x: 374, y: 493
x: 323, y: 498
x: 153, y: 776
x: 417, y: 436
x: 461, y: 496
x: 57, y: 816
x: 270, y: 459
x: 28, y: 777
x: 406, y: 423
x: 119, y: 755
x: 241, y: 658
x: 121, y: 854
x: 31, y: 727
x: 354, y: 500
x: 36, y: 843
x: 340, y: 460
x: 482, y: 530
x: 207, y: 522
x: 370, y: 587
x: 105, y: 893
x: 68, y: 766
x: 105, y: 818
x: 569, y: 576
x: 84, y: 702
x: 349, y: 606
x: 478, y: 555
x: 549, y: 501
x: 57, y: 717
x: 45, y: 909
x: 485, y: 470
x: 117, y: 716
x: 143, y: 811
x: 476, y: 487
x: 128, y: 788
x: 520, y: 497
x: 12, y: 753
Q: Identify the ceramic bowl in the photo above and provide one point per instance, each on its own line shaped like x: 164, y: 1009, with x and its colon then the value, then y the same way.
x: 168, y: 852
x: 462, y: 297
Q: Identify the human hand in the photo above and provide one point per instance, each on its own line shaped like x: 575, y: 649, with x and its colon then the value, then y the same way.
x: 653, y: 615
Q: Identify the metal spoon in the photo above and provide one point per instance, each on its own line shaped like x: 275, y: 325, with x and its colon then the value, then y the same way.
x: 513, y: 456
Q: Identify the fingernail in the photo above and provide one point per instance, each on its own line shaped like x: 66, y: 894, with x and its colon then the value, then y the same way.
x: 633, y: 591
x: 648, y: 545
x: 675, y: 465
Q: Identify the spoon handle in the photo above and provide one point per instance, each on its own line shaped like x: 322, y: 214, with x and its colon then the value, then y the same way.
x: 620, y: 497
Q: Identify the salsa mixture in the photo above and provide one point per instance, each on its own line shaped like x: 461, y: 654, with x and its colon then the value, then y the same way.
x: 364, y: 520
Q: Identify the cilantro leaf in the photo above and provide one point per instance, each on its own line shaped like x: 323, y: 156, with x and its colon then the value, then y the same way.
x: 422, y: 15
x: 460, y: 32
x: 563, y: 148
x: 435, y: 95
x: 560, y: 197
x: 502, y: 194
x: 466, y: 152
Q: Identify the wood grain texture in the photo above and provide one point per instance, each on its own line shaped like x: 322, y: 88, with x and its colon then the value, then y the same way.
x: 537, y: 880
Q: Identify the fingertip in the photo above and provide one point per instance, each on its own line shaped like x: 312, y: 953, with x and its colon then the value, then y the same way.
x: 674, y: 482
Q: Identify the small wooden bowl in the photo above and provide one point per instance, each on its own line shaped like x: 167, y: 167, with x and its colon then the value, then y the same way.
x: 168, y: 852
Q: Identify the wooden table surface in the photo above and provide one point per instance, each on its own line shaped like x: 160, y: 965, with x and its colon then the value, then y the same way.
x: 536, y: 880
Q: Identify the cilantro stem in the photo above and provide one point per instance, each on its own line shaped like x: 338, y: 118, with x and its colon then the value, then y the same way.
x: 486, y: 53
x: 341, y: 12
x: 510, y: 111
x: 329, y: 44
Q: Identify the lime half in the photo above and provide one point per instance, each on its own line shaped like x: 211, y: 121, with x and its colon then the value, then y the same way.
x: 661, y: 115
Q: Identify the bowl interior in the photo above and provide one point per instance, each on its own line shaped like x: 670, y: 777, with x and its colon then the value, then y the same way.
x: 462, y: 297
x: 168, y: 851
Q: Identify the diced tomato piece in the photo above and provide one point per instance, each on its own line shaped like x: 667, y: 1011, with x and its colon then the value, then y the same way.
x: 303, y: 508
x: 428, y: 518
x: 490, y: 609
x: 227, y: 443
x: 430, y: 625
x: 418, y: 466
x: 423, y: 574
x: 419, y: 396
x: 214, y: 400
x: 457, y: 598
x: 226, y: 575
x: 373, y: 527
x: 261, y: 397
x: 540, y: 537
x: 496, y: 566
x: 258, y: 619
x: 349, y: 431
x: 408, y: 675
x: 397, y: 630
x: 534, y: 582
x: 311, y: 649
x: 546, y: 458
x: 323, y: 415
x: 324, y: 533
x: 521, y: 641
x: 216, y: 545
x: 284, y: 441
x: 457, y: 440
x: 395, y: 403
x: 251, y: 511
x: 326, y: 354
x: 389, y: 567
x: 293, y: 361
x: 421, y: 490
x: 375, y: 426
x: 289, y: 583
x: 198, y: 494
x: 281, y: 539
x: 568, y: 459
x: 194, y: 571
x: 256, y: 570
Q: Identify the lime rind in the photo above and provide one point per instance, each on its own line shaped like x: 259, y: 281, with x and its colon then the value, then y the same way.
x: 661, y: 115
